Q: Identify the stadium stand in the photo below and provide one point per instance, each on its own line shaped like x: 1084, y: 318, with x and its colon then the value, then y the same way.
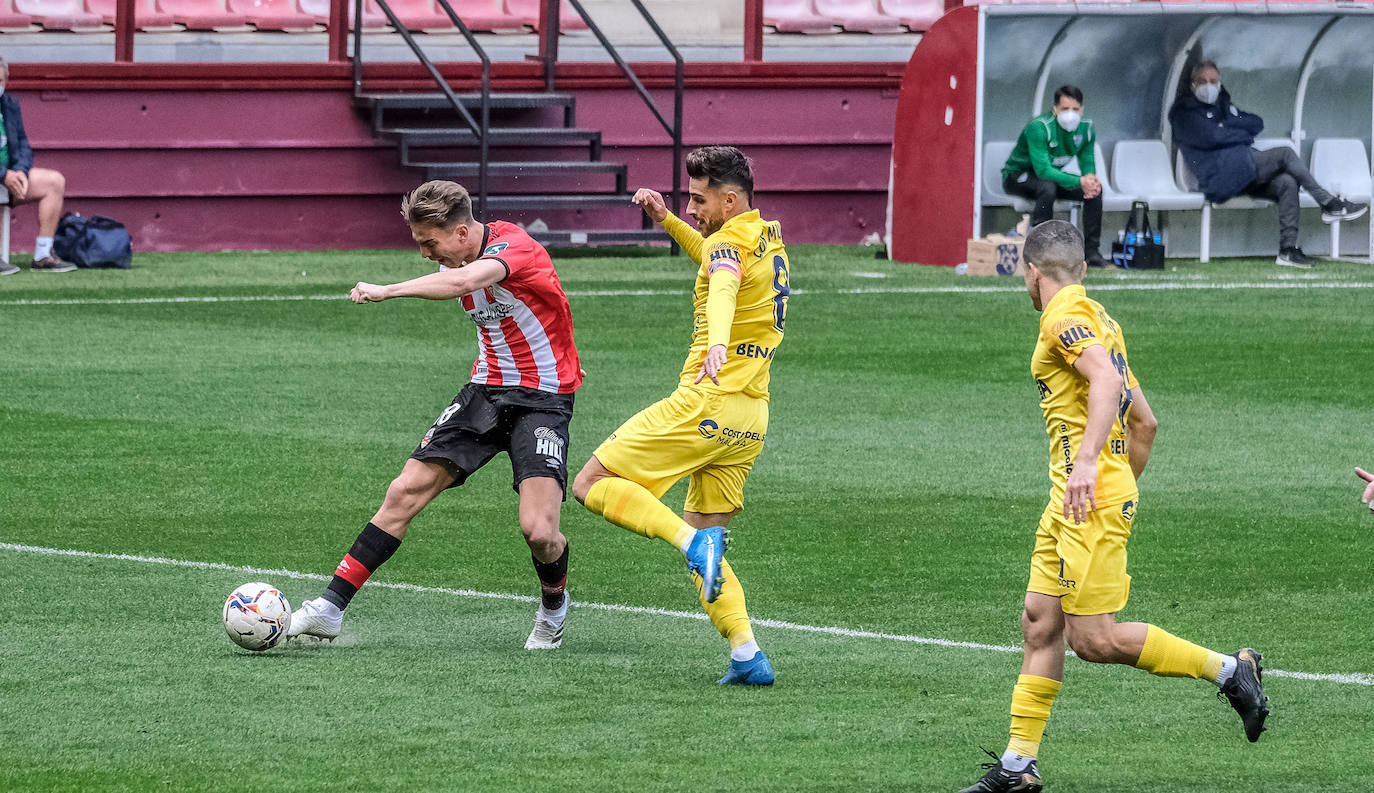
x: 858, y: 16
x: 917, y: 15
x: 796, y: 16
x: 487, y: 16
x: 528, y: 12
x: 204, y: 15
x: 1342, y: 166
x: 373, y: 18
x: 12, y: 21
x: 285, y: 15
x: 146, y: 16
x: 61, y: 15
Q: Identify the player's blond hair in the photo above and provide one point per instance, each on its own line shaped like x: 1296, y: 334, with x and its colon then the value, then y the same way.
x: 440, y: 204
x: 1056, y: 249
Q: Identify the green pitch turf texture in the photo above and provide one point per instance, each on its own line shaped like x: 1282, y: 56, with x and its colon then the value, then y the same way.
x: 904, y: 473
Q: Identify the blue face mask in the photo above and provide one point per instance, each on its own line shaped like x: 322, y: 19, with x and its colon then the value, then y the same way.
x: 1207, y: 93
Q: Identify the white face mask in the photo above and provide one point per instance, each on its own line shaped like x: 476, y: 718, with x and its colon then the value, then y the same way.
x: 1069, y: 120
x: 1207, y: 93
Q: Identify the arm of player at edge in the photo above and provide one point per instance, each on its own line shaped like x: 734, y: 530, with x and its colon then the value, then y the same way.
x: 1104, y: 395
x: 1140, y: 432
x: 1368, y: 497
x: 687, y: 238
x: 444, y: 285
x: 721, y: 298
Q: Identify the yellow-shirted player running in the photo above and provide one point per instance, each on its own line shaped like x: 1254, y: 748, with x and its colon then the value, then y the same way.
x: 712, y: 427
x: 1101, y: 431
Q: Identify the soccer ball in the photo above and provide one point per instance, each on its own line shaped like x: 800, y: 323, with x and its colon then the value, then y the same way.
x: 256, y: 616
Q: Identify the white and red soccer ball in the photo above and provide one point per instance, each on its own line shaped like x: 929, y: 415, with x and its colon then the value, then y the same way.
x: 256, y: 616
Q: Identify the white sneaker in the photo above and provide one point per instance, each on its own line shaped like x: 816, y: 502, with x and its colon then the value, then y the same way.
x: 548, y: 627
x: 316, y: 617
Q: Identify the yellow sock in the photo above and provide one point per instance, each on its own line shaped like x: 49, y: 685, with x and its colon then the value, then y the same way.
x: 728, y: 613
x: 630, y: 506
x: 1030, y: 709
x: 1167, y: 655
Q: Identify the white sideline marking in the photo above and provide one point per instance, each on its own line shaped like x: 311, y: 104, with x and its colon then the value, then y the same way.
x: 1355, y: 678
x: 1157, y: 286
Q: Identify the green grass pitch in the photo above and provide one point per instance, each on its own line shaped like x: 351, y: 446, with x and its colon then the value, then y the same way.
x: 898, y: 494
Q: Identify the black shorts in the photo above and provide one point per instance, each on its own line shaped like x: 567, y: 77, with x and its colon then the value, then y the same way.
x: 529, y: 425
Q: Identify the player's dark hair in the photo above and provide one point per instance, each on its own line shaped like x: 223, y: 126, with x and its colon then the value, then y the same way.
x: 1072, y: 91
x: 1200, y: 67
x: 1055, y: 247
x: 440, y: 204
x: 722, y: 165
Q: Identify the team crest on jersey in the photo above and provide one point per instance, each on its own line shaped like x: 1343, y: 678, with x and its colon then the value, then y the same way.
x: 1128, y: 511
x: 1077, y: 141
x: 495, y: 248
x: 708, y: 429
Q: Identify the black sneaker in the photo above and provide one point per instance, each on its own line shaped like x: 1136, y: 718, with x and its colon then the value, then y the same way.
x: 1095, y: 260
x: 6, y: 268
x: 1340, y: 209
x: 999, y: 779
x: 1294, y: 257
x: 1246, y: 693
x: 51, y: 264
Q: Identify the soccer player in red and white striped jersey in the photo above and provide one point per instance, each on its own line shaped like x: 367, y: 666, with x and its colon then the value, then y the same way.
x: 519, y: 400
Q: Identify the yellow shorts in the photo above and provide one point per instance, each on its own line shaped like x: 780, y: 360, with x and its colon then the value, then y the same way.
x: 715, y: 438
x: 1084, y: 565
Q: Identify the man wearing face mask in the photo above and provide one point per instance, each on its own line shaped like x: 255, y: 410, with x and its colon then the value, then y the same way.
x: 1216, y: 139
x: 27, y: 185
x: 1040, y: 167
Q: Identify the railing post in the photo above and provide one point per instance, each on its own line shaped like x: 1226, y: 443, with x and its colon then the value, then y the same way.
x: 338, y: 31
x: 753, y: 30
x: 548, y: 40
x: 124, y: 30
x: 357, y: 41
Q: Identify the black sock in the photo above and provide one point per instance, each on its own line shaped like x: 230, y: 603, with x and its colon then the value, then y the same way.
x: 553, y: 578
x: 372, y: 548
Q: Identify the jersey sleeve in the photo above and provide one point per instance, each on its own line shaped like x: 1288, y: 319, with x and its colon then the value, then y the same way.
x: 516, y: 255
x: 1070, y: 332
x: 723, y: 251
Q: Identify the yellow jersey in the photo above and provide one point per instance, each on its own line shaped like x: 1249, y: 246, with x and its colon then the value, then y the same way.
x: 1070, y: 324
x: 753, y: 248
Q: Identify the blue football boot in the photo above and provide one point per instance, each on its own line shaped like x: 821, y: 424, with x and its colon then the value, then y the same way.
x: 754, y: 672
x: 704, y: 556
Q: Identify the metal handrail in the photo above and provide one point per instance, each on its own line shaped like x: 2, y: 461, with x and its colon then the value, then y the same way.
x: 480, y: 129
x: 674, y: 129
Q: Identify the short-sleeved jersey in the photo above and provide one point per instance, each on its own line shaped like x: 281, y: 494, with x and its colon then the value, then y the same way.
x: 1070, y: 324
x: 524, y: 324
x: 753, y: 247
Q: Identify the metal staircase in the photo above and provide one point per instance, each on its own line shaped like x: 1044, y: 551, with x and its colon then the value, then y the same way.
x: 485, y: 140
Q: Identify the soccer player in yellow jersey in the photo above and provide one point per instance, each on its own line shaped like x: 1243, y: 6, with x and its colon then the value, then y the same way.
x: 712, y: 427
x: 1101, y: 431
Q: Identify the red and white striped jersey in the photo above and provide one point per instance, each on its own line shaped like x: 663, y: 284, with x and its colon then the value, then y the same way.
x: 524, y: 324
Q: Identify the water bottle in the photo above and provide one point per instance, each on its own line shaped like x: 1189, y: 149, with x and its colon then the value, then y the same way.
x: 1159, y: 238
x: 1121, y: 236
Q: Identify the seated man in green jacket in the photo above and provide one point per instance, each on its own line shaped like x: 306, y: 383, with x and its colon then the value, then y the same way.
x: 1036, y: 167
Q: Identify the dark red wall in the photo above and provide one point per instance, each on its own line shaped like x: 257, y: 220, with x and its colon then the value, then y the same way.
x: 190, y: 165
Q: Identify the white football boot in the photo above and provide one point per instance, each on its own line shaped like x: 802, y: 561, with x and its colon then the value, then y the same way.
x: 318, y: 618
x: 548, y: 627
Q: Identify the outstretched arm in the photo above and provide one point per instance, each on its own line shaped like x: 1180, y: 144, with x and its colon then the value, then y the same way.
x: 443, y: 285
x: 688, y: 238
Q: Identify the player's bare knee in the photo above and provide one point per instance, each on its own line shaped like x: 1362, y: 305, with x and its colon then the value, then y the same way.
x: 407, y: 494
x: 1093, y: 647
x: 1037, y: 630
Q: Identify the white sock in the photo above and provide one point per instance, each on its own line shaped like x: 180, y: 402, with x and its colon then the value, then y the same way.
x: 1014, y: 762
x: 745, y: 651
x: 325, y: 606
x: 1228, y: 668
x: 556, y: 616
x: 42, y: 247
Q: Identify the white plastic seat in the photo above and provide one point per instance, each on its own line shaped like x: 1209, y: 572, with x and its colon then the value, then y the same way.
x: 995, y: 154
x: 1189, y: 182
x: 1113, y: 200
x: 1342, y: 166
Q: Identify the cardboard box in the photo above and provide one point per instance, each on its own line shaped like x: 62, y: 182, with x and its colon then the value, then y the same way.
x: 996, y: 254
x: 999, y: 254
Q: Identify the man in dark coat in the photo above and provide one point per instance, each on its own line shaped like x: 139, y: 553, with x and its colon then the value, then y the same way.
x: 27, y: 185
x: 1216, y: 139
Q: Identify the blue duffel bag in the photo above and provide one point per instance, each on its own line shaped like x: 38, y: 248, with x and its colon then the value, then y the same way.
x: 93, y: 242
